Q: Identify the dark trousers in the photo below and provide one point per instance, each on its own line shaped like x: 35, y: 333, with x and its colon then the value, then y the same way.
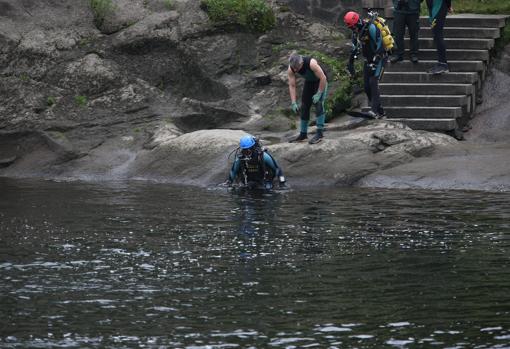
x: 309, y: 89
x: 371, y: 85
x: 412, y: 21
x: 437, y: 30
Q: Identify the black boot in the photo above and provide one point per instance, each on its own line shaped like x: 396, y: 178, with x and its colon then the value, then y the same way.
x: 439, y: 68
x: 300, y: 137
x: 317, y: 138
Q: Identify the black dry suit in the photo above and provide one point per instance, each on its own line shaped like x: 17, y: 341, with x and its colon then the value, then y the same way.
x: 259, y: 168
x: 370, y: 39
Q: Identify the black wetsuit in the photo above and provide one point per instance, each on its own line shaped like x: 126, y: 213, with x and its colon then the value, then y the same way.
x: 260, y: 169
x: 311, y: 86
x: 375, y: 55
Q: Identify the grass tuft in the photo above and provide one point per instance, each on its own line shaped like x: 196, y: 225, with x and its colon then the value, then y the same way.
x: 253, y: 15
x: 101, y: 9
x: 81, y: 101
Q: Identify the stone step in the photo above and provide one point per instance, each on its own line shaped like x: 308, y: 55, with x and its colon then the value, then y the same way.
x: 426, y: 89
x: 470, y: 20
x: 417, y: 112
x: 427, y: 100
x: 428, y: 124
x: 454, y: 54
x: 464, y: 32
x: 376, y: 3
x: 421, y: 77
x: 463, y: 101
x: 424, y: 65
x: 456, y: 43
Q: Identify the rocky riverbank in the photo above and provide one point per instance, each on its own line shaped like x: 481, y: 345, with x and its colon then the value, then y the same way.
x: 160, y: 93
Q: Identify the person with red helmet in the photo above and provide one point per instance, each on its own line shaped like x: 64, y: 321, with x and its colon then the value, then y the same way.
x: 367, y: 39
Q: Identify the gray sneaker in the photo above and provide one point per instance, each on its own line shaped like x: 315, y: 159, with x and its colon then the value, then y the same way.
x: 299, y: 138
x: 396, y: 58
x: 439, y: 68
x: 317, y: 138
x: 374, y: 115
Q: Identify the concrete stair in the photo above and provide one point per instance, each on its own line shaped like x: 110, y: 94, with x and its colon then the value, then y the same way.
x: 470, y: 20
x: 440, y: 102
x: 457, y: 55
x: 422, y: 112
x: 424, y: 89
x: 464, y: 32
x: 423, y: 77
x: 456, y: 43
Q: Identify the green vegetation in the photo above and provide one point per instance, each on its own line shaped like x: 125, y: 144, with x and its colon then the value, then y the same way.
x: 58, y: 135
x: 252, y: 15
x: 482, y: 6
x: 84, y: 42
x: 475, y: 6
x: 101, y: 8
x: 24, y: 77
x: 51, y: 101
x: 288, y: 46
x: 169, y: 4
x: 339, y: 98
x: 81, y: 100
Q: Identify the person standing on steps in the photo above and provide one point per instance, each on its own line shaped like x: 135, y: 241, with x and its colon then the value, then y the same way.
x: 315, y: 91
x: 406, y: 13
x: 367, y: 38
x: 438, y: 9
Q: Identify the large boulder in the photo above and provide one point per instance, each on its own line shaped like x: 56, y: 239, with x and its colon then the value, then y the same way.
x: 474, y: 168
x: 119, y: 14
x: 199, y: 158
x: 346, y: 156
x: 91, y: 75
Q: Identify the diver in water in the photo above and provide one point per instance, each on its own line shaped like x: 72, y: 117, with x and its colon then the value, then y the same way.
x: 254, y: 167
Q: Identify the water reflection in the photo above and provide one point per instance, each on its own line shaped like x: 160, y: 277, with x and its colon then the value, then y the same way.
x: 148, y: 265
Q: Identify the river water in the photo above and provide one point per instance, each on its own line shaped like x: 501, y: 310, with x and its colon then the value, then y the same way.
x: 144, y: 265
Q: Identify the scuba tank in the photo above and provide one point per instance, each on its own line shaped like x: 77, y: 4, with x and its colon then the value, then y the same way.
x: 380, y: 23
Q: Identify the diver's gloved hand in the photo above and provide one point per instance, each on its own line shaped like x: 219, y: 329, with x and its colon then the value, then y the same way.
x: 295, y: 107
x: 281, y: 181
x: 376, y: 60
x: 372, y: 68
x: 317, y: 97
x: 228, y: 183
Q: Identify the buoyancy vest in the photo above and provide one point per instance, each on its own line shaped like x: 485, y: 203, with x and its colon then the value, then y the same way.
x: 380, y: 23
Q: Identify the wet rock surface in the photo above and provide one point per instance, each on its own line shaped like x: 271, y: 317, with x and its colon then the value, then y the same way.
x: 479, y: 163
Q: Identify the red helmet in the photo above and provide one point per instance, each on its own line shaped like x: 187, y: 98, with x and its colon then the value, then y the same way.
x: 351, y: 18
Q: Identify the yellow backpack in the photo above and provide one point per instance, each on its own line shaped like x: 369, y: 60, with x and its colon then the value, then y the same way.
x: 388, y: 41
